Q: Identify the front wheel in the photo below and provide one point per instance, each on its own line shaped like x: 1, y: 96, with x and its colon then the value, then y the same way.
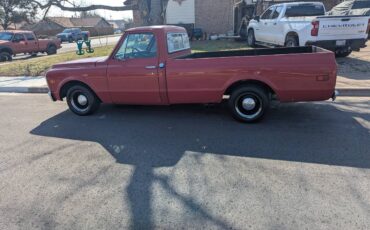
x: 5, y: 56
x: 251, y: 38
x: 249, y: 103
x: 82, y: 101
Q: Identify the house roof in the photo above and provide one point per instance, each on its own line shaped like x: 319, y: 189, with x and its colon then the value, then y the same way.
x: 63, y: 21
x: 77, y: 22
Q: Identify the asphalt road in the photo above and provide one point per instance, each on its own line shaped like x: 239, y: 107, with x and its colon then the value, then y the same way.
x: 306, y: 166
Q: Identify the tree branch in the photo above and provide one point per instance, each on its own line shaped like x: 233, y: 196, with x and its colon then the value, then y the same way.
x: 58, y: 4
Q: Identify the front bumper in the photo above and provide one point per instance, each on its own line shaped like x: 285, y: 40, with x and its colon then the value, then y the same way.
x: 353, y: 44
x: 335, y: 95
x: 51, y: 96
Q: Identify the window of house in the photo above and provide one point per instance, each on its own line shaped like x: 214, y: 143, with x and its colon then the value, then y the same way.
x: 141, y: 45
x: 177, y: 42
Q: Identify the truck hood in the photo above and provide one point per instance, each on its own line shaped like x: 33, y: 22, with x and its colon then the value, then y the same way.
x: 86, y: 62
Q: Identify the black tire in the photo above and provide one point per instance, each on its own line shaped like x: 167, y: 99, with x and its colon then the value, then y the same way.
x: 252, y: 96
x: 82, y: 101
x: 52, y: 49
x: 291, y: 41
x: 5, y: 56
x: 34, y: 54
x: 251, y: 39
x: 340, y: 54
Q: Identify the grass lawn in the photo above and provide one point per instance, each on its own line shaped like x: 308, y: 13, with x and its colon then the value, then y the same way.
x: 38, y: 66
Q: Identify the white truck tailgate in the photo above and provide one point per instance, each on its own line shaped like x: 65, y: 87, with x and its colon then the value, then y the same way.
x: 342, y: 26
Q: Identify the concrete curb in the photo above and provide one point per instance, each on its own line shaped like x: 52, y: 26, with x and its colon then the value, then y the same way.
x: 24, y: 90
x: 343, y: 92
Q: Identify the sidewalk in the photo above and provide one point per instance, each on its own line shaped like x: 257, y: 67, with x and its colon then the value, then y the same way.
x: 23, y: 85
x: 345, y: 86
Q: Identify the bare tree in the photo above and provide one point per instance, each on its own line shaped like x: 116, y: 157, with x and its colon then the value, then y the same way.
x: 151, y: 11
x: 15, y: 11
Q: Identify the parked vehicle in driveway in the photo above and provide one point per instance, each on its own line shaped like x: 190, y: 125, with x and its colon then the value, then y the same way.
x: 301, y: 23
x: 155, y: 66
x: 73, y: 34
x: 18, y: 42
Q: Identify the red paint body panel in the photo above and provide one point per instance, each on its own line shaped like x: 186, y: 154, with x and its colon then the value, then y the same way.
x: 293, y: 77
x: 28, y: 46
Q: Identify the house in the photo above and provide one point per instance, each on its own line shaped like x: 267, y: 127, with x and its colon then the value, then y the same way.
x: 51, y: 26
x: 118, y: 24
x: 214, y: 16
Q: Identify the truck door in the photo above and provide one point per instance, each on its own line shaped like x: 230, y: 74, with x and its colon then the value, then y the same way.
x: 133, y: 71
x: 32, y: 44
x: 275, y: 28
x: 20, y: 44
x: 262, y: 33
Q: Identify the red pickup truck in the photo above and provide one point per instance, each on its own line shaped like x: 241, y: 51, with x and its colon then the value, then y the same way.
x: 155, y: 66
x: 18, y: 42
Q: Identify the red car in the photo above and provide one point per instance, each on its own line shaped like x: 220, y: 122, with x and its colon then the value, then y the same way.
x: 155, y: 66
x: 18, y: 42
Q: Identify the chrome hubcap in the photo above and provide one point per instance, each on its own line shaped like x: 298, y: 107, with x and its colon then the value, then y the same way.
x: 82, y: 100
x: 249, y: 103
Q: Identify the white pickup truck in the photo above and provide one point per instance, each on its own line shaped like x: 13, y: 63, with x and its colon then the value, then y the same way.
x: 305, y: 23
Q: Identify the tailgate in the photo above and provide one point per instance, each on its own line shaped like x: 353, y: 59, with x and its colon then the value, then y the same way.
x: 342, y: 26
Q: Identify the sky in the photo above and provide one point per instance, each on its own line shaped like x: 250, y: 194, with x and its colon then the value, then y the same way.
x: 104, y: 13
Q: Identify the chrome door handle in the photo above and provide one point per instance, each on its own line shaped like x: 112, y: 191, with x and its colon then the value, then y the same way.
x: 150, y: 67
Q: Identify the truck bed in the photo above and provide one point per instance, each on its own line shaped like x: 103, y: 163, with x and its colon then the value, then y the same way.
x: 255, y: 52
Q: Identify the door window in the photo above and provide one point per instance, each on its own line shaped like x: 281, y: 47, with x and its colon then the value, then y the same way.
x: 30, y: 37
x: 267, y: 13
x: 276, y: 12
x: 18, y: 38
x: 143, y: 45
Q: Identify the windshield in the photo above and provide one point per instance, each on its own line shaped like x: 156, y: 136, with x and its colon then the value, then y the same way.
x: 6, y: 36
x: 304, y: 10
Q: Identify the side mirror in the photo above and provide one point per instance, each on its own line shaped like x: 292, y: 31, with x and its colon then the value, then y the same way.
x: 257, y: 18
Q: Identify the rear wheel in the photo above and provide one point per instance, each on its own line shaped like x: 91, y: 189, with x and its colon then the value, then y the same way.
x: 249, y: 103
x: 291, y: 41
x: 251, y: 39
x: 51, y: 50
x: 5, y: 56
x: 343, y: 53
x: 82, y: 101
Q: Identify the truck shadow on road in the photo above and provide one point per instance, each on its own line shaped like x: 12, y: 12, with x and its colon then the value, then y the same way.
x: 151, y: 137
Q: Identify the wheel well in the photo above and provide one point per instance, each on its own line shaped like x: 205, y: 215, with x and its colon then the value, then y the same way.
x: 68, y: 85
x: 238, y: 84
x: 8, y: 50
x: 292, y: 34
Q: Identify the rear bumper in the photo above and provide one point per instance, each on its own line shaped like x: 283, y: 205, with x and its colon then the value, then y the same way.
x: 354, y: 44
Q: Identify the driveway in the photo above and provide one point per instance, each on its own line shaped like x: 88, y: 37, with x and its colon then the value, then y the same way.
x: 306, y: 166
